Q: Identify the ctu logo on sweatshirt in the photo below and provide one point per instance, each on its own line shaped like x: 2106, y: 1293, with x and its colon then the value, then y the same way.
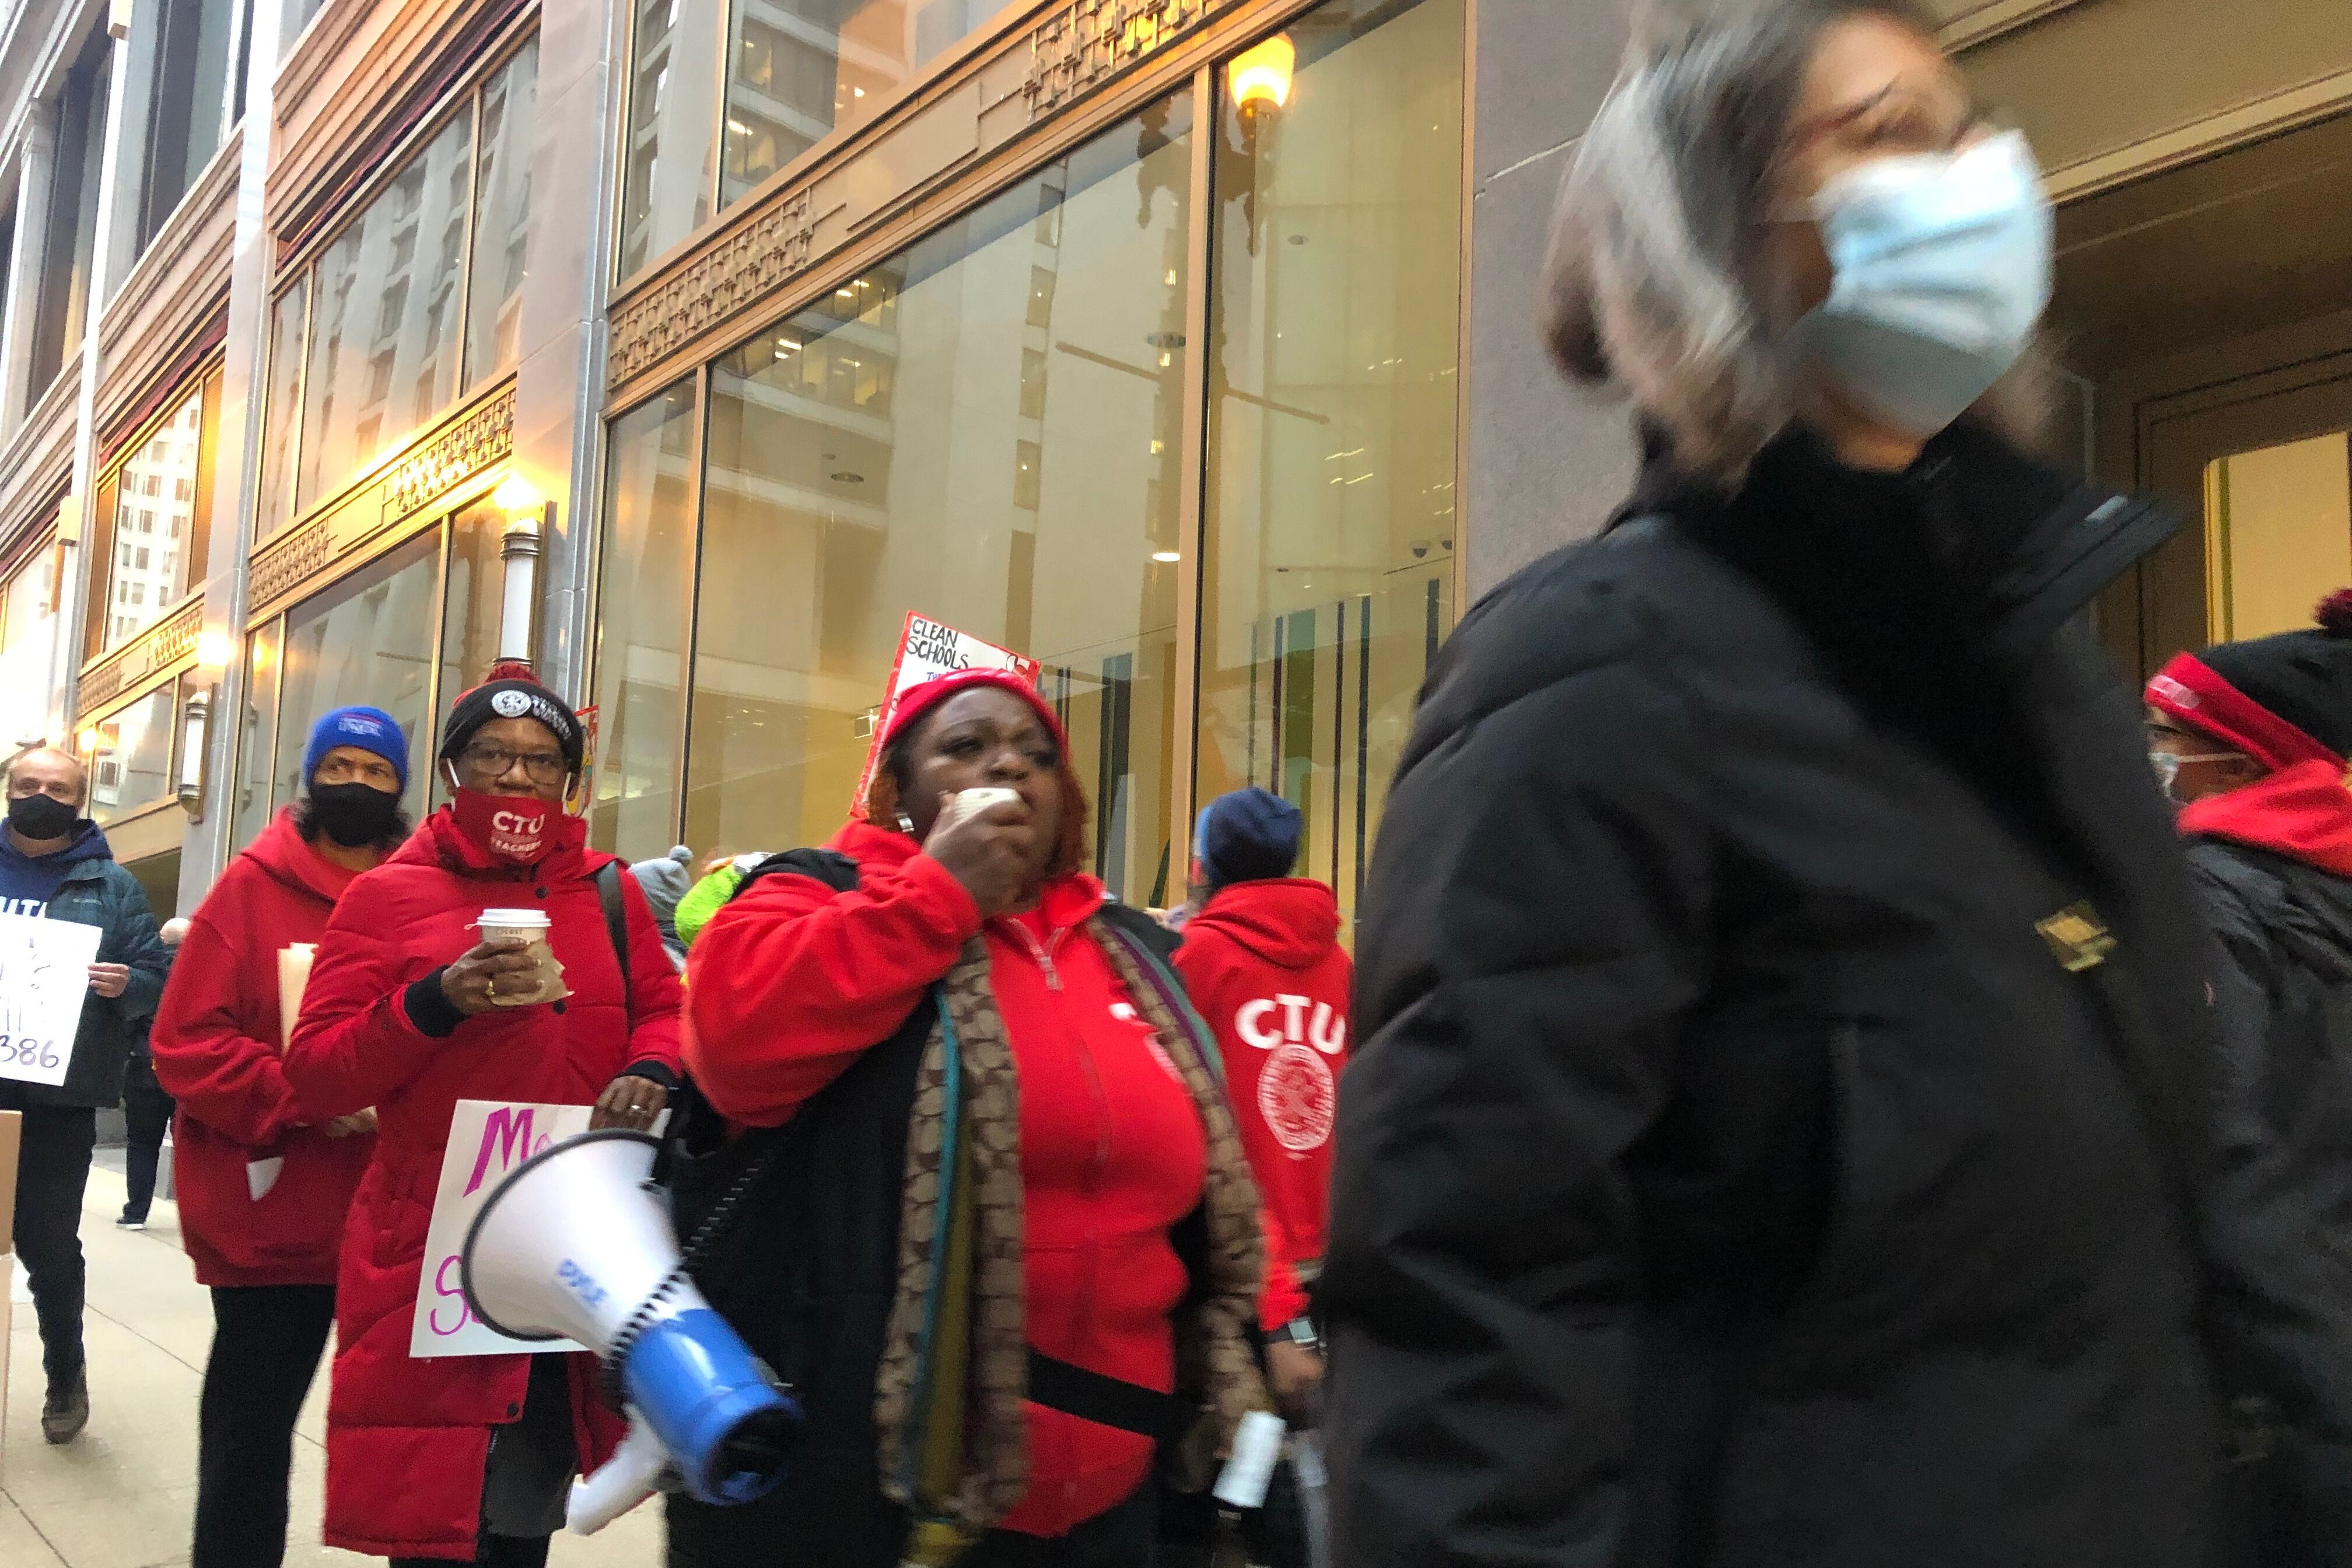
x: 1296, y: 1092
x: 1326, y: 1030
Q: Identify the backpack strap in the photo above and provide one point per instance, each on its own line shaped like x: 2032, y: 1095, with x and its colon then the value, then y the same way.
x: 616, y: 925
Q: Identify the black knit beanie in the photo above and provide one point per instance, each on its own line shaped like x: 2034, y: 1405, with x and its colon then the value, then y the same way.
x: 2305, y: 678
x: 512, y: 692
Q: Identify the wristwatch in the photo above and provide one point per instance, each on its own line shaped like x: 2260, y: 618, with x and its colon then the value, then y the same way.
x: 1300, y: 1332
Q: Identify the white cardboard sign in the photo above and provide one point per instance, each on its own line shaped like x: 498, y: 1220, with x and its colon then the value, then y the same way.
x: 488, y: 1138
x: 926, y: 650
x: 43, y: 981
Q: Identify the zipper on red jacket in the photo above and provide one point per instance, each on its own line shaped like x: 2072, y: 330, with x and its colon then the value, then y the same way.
x: 1041, y: 952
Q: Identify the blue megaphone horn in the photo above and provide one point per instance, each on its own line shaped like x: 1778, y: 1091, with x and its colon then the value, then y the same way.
x: 575, y: 1243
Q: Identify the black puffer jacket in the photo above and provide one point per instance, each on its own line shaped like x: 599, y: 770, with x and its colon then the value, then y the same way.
x: 1734, y: 1172
x: 2283, y: 991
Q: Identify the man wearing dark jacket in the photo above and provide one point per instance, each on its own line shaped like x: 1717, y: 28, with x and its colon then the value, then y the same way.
x: 55, y: 865
x: 2250, y: 739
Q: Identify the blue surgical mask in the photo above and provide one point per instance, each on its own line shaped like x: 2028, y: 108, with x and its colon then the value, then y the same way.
x: 1942, y: 269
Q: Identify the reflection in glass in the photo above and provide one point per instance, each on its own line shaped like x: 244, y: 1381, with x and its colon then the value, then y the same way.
x: 928, y: 439
x: 644, y: 563
x: 382, y: 357
x: 470, y: 613
x: 281, y: 412
x: 367, y: 639
x: 27, y: 630
x: 130, y: 769
x: 256, y: 734
x: 2278, y: 532
x: 801, y: 69
x: 501, y: 216
x: 195, y: 42
x: 673, y: 80
x: 1329, y: 527
x: 154, y: 533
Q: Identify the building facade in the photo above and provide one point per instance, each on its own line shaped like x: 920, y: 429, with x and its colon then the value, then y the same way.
x: 688, y: 347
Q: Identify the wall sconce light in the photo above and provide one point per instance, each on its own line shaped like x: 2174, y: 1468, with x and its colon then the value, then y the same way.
x: 213, y: 650
x: 527, y: 515
x: 194, y: 724
x: 1260, y: 79
x: 85, y: 743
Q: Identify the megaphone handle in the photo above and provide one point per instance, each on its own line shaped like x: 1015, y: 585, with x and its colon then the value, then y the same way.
x: 633, y: 1474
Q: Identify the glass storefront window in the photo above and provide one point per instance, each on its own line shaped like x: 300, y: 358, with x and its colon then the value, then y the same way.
x: 384, y: 339
x: 985, y: 429
x: 645, y: 561
x: 282, y: 409
x: 130, y: 769
x: 368, y: 639
x: 152, y: 520
x: 257, y: 731
x: 501, y: 216
x: 472, y: 608
x: 797, y: 70
x: 673, y: 88
x: 367, y: 344
x: 27, y: 645
x: 1328, y: 538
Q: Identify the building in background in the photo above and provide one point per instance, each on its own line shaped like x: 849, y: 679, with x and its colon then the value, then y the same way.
x: 686, y: 346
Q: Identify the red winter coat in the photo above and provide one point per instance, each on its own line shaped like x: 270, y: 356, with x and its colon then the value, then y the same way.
x: 407, y: 1440
x: 793, y: 982
x: 217, y: 1047
x: 1266, y: 970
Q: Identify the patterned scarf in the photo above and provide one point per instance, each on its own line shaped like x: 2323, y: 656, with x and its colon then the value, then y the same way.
x: 953, y: 1382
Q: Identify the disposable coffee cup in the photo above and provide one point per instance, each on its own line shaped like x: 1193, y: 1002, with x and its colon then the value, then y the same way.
x: 529, y: 927
x: 970, y: 803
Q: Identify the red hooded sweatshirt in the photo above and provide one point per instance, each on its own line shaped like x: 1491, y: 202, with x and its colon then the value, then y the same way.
x: 216, y: 1044
x: 793, y: 982
x: 1264, y: 968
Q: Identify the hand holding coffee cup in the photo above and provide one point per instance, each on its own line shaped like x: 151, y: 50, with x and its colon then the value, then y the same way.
x: 983, y: 837
x: 512, y: 967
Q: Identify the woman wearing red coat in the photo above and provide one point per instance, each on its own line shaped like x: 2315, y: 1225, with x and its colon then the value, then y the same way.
x: 265, y: 1180
x: 403, y: 1014
x: 829, y: 998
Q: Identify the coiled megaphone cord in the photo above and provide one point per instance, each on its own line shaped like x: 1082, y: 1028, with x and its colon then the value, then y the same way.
x: 706, y: 1235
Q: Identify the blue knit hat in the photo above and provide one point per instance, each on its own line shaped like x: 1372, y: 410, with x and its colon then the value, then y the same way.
x: 367, y: 728
x: 1249, y: 836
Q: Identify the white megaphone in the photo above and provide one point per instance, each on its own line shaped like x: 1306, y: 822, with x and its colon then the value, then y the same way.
x: 574, y: 1245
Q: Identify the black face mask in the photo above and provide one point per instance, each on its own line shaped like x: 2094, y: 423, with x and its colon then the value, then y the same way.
x: 354, y: 815
x: 40, y: 817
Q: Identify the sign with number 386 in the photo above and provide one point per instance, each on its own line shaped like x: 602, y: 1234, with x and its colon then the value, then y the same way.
x: 43, y: 981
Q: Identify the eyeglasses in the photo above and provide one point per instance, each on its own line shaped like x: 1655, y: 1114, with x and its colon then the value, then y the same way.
x: 496, y: 761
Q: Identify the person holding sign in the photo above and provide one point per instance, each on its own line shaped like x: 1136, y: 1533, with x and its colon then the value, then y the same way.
x: 266, y: 1179
x: 426, y: 991
x: 55, y: 866
x: 1089, y: 1258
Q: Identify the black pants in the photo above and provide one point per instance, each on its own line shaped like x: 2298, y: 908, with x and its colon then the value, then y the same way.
x: 1120, y: 1539
x: 497, y: 1551
x: 51, y: 1172
x: 267, y: 1341
x: 148, y: 1109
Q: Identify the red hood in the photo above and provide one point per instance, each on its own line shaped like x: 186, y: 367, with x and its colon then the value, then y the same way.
x: 1292, y: 922
x: 2303, y: 812
x: 285, y: 854
x: 440, y: 842
x: 1065, y: 900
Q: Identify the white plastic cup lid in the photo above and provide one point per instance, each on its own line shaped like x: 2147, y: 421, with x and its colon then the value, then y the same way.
x: 514, y: 919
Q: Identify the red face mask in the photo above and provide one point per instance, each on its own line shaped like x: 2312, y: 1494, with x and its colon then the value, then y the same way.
x: 512, y: 826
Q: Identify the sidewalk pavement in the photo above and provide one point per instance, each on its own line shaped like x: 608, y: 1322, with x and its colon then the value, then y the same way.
x: 123, y: 1495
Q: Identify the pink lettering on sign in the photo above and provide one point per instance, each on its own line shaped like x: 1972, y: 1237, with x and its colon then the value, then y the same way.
x: 445, y: 1285
x: 506, y: 1130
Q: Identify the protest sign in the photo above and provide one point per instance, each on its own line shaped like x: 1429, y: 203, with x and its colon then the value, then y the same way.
x: 43, y: 981
x: 927, y: 649
x: 488, y: 1138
